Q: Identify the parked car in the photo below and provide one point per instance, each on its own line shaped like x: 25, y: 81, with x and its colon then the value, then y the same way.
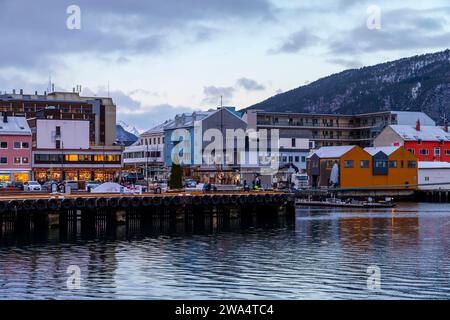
x: 190, y: 183
x: 90, y: 185
x: 32, y: 186
x: 133, y: 177
x: 47, y: 186
x: 18, y: 185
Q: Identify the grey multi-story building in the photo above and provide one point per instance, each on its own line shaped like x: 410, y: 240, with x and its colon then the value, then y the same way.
x: 332, y: 129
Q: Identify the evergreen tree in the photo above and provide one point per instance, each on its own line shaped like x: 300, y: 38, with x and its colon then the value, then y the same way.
x: 176, y: 177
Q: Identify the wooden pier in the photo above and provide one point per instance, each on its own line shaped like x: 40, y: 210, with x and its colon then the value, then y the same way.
x: 65, y: 211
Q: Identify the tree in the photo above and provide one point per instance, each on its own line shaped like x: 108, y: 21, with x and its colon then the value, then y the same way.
x: 176, y: 177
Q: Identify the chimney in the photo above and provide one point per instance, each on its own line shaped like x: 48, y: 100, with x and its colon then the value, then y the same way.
x: 21, y: 91
x: 14, y: 91
x: 35, y: 93
x: 418, y: 125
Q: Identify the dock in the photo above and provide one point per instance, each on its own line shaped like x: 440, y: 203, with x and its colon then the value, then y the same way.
x: 25, y: 210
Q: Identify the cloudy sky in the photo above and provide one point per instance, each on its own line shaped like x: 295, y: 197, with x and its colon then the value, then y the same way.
x: 162, y: 57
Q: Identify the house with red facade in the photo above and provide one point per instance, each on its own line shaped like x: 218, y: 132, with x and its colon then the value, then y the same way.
x: 15, y: 149
x: 428, y: 143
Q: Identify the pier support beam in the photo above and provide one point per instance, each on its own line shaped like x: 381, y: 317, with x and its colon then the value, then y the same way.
x: 121, y: 216
x: 53, y: 219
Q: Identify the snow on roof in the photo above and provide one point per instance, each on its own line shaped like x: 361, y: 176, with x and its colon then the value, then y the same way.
x: 426, y: 133
x: 188, y: 119
x: 411, y: 117
x: 332, y: 152
x: 157, y: 129
x: 386, y: 150
x: 14, y: 126
x: 433, y: 165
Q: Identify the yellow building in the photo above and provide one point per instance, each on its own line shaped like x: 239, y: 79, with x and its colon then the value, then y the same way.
x: 354, y: 167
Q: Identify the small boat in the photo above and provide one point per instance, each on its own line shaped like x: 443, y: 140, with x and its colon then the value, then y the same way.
x: 333, y: 202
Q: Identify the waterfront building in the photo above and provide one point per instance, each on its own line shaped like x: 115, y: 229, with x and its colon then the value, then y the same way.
x: 355, y: 167
x: 65, y: 149
x: 15, y: 149
x: 393, y: 166
x: 146, y: 155
x: 195, y: 125
x: 428, y: 143
x: 99, y: 111
x: 434, y: 175
x: 332, y: 129
x: 73, y: 137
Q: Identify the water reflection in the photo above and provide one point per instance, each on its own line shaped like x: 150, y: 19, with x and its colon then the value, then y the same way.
x: 321, y: 253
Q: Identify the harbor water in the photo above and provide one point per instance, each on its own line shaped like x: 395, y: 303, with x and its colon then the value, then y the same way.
x: 321, y: 253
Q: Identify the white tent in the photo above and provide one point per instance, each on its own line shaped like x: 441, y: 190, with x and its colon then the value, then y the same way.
x: 111, y: 187
x: 334, y: 177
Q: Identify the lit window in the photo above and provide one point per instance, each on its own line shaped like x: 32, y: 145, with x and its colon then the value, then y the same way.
x: 365, y: 164
x: 393, y: 164
x: 17, y: 160
x: 349, y: 164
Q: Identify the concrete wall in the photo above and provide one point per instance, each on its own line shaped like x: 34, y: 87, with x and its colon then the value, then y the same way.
x: 74, y: 134
x: 387, y: 138
x: 438, y: 175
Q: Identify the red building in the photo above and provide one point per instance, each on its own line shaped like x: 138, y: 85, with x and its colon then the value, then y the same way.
x: 428, y: 143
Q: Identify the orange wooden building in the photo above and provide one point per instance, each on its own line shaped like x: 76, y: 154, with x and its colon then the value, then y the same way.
x: 354, y: 167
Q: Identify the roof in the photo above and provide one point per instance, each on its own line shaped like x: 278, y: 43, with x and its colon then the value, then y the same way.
x: 386, y: 150
x: 15, y: 126
x: 433, y: 165
x: 187, y: 120
x: 332, y: 152
x: 411, y: 117
x: 426, y: 133
x: 157, y: 129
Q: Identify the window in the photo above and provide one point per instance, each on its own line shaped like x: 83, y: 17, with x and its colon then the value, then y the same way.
x: 3, y: 160
x: 427, y: 178
x: 25, y: 160
x: 412, y: 164
x: 284, y: 159
x: 297, y: 159
x: 349, y: 164
x: 364, y: 164
x: 58, y: 131
x: 412, y: 151
x: 4, y: 145
x: 437, y: 152
x: 58, y: 144
x: 291, y: 159
x: 380, y: 164
x: 293, y: 143
x: 423, y: 152
x: 303, y: 159
x: 17, y: 160
x: 393, y: 164
x: 25, y: 145
x: 447, y: 152
x: 17, y: 145
x: 329, y: 163
x: 159, y: 140
x: 402, y: 164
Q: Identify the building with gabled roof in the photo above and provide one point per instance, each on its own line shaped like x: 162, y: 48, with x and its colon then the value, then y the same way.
x: 428, y: 143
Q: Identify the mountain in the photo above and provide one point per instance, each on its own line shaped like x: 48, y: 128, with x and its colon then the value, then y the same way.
x: 419, y: 83
x: 129, y: 128
x: 125, y: 137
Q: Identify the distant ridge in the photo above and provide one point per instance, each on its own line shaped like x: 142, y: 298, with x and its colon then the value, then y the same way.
x: 419, y: 83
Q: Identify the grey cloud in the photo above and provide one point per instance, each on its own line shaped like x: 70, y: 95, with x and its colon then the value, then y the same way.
x: 401, y: 29
x: 296, y: 42
x: 249, y: 84
x: 119, y: 28
x: 347, y: 63
x: 212, y: 95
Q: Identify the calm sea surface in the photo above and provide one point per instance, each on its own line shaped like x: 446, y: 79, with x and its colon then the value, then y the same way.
x: 319, y: 254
